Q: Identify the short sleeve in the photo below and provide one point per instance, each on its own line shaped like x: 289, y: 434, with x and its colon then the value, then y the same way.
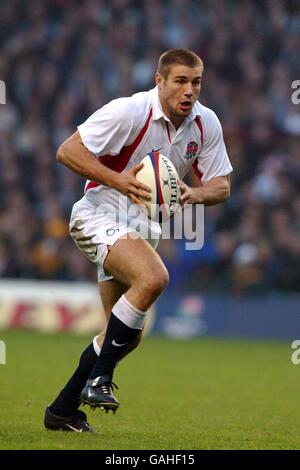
x: 109, y: 129
x: 212, y: 160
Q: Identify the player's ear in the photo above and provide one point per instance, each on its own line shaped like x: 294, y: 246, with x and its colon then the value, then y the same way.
x: 158, y: 79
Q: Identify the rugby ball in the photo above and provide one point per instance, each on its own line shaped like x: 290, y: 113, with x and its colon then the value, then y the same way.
x: 161, y: 176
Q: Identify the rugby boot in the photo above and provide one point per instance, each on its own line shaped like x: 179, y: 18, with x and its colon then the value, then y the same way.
x: 98, y: 393
x: 77, y: 422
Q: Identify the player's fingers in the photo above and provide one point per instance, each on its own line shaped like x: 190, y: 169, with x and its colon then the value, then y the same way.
x: 139, y: 193
x: 145, y: 195
x: 183, y: 190
x: 142, y: 186
x: 184, y: 199
x: 136, y: 168
x: 182, y: 185
x: 136, y: 200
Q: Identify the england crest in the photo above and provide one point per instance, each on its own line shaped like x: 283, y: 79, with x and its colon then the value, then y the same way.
x: 191, y: 150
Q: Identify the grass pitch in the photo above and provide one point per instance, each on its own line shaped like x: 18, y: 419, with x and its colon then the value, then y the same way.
x: 197, y: 394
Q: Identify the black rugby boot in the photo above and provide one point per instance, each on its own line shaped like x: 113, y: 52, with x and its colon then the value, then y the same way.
x: 77, y: 422
x: 98, y: 393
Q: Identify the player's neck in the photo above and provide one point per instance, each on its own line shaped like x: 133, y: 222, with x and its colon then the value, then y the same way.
x: 176, y: 122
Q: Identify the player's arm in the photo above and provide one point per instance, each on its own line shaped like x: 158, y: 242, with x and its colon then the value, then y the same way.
x: 74, y: 155
x: 214, y: 166
x: 214, y: 191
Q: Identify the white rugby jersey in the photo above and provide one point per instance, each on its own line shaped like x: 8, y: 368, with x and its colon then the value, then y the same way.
x: 123, y: 131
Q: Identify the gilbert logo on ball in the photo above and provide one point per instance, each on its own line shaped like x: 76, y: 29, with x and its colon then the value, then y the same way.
x: 161, y: 176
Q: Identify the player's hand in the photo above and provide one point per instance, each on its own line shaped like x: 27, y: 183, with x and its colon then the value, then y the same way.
x: 189, y: 195
x: 128, y: 184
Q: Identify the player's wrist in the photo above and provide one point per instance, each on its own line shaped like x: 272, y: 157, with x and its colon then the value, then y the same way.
x: 199, y: 195
x: 114, y: 180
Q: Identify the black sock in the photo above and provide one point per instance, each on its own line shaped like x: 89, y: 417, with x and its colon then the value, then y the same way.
x: 118, y: 337
x: 68, y: 400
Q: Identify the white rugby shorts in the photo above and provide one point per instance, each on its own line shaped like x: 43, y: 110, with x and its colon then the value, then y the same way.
x: 95, y: 229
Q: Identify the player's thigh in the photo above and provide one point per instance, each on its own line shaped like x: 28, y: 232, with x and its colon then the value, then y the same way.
x: 132, y: 261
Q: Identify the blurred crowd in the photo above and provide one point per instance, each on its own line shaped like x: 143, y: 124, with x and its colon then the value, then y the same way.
x: 63, y: 59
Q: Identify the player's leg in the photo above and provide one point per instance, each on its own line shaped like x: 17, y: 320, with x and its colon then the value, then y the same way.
x: 110, y: 292
x: 134, y: 263
x: 62, y: 413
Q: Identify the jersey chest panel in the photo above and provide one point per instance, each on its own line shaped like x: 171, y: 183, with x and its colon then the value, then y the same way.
x: 157, y: 139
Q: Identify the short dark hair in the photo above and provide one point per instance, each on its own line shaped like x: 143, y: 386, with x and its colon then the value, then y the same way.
x: 177, y: 56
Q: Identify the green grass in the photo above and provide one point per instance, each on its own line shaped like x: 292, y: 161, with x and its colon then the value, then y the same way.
x: 197, y: 394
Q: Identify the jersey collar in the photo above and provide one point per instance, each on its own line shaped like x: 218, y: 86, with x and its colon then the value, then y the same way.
x: 158, y: 112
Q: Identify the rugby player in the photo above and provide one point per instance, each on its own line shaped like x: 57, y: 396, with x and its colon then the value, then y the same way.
x: 107, y: 150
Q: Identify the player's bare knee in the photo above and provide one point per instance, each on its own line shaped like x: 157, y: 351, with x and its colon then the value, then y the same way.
x: 163, y: 279
x: 155, y: 282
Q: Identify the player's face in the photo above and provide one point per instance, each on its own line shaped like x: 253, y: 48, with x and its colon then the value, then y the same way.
x: 179, y: 91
